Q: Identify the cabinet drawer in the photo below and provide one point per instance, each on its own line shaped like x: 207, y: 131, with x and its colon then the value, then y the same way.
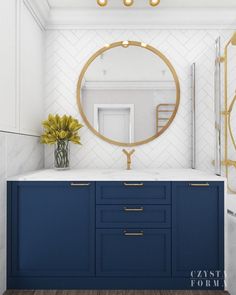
x: 133, y: 216
x: 134, y: 252
x: 116, y: 192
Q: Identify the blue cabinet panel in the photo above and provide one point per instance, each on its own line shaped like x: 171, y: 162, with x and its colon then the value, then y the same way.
x: 113, y: 235
x: 197, y: 227
x: 52, y: 228
x: 133, y: 216
x: 133, y: 252
x: 149, y: 192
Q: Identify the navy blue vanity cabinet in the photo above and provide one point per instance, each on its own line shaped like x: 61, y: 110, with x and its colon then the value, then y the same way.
x: 51, y: 230
x: 197, y: 227
x: 133, y: 224
x: 115, y: 235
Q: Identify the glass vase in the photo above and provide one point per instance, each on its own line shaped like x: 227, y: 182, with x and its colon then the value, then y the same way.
x: 62, y: 155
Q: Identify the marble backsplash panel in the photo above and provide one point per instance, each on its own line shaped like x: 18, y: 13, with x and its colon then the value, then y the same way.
x: 18, y: 154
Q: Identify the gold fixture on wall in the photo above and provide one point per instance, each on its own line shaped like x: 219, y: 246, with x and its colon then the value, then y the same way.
x: 128, y: 154
x: 163, y: 108
x: 227, y: 113
x: 233, y: 40
x: 129, y: 3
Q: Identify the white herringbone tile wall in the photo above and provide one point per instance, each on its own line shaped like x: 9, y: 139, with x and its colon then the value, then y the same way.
x: 205, y: 115
x: 67, y: 52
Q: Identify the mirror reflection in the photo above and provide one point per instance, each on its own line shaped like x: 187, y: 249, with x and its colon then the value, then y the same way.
x: 129, y: 94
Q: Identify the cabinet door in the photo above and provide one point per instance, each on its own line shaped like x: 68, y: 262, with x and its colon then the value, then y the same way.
x: 198, y: 227
x: 133, y: 252
x: 51, y: 229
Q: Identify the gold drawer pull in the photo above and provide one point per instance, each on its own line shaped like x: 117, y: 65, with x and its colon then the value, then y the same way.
x: 133, y: 184
x: 199, y: 184
x: 133, y: 209
x: 133, y: 234
x: 80, y: 184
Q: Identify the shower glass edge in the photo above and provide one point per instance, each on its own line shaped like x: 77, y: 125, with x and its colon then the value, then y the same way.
x: 217, y: 106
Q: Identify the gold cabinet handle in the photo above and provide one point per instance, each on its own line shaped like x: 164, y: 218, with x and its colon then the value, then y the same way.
x: 133, y: 209
x: 133, y: 184
x: 80, y: 184
x: 199, y: 184
x: 133, y: 234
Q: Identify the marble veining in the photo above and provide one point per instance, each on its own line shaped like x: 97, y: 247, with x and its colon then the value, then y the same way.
x: 24, y: 153
x: 18, y: 154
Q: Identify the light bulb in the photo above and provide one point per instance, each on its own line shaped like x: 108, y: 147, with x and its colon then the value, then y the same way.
x: 154, y: 2
x: 128, y: 2
x: 125, y: 44
x: 102, y: 3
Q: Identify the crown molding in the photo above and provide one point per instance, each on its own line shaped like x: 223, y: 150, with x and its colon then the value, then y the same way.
x: 40, y: 10
x: 164, y: 18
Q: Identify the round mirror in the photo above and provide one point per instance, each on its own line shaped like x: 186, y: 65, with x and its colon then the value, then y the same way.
x: 128, y: 93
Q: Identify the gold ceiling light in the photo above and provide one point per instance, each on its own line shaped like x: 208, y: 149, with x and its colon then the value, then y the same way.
x: 102, y: 3
x: 128, y: 3
x: 154, y: 3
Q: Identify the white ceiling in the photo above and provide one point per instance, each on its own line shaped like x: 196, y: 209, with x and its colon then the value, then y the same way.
x: 88, y: 4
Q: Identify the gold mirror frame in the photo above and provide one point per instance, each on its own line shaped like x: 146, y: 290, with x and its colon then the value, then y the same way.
x: 126, y: 44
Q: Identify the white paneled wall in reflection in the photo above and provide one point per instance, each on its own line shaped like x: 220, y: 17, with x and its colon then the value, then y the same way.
x: 67, y: 52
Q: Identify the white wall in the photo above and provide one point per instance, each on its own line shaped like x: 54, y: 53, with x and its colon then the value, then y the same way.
x: 67, y: 52
x: 21, y: 101
x: 32, y: 39
x: 21, y: 71
x: 8, y: 78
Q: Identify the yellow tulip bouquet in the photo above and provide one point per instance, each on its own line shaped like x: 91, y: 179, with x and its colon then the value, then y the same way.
x: 60, y: 130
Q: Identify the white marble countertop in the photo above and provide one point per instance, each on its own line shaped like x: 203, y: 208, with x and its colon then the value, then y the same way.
x: 117, y: 175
